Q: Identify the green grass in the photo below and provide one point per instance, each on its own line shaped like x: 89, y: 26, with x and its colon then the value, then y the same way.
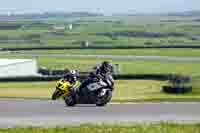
x: 126, y: 66
x: 120, y: 128
x: 147, y: 52
x: 87, y: 31
x: 125, y: 91
x: 130, y: 67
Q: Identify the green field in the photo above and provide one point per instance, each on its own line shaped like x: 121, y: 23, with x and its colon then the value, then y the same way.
x: 138, y: 52
x: 32, y: 34
x: 121, y: 128
x: 126, y: 66
x: 125, y: 91
x: 87, y: 30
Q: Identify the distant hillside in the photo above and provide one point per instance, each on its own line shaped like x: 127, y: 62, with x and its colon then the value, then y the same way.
x: 185, y: 13
x: 48, y: 15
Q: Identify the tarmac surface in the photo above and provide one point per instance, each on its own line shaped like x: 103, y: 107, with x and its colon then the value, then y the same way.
x: 43, y: 113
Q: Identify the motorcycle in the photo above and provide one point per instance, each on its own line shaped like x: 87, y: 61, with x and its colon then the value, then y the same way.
x: 97, y: 92
x: 62, y: 91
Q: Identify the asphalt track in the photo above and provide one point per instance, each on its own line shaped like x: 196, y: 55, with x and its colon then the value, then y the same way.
x: 50, y: 114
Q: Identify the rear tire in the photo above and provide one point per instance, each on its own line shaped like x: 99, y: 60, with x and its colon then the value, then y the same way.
x: 70, y: 101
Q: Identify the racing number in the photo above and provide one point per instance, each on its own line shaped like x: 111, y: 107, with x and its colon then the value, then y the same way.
x: 93, y: 86
x: 60, y: 86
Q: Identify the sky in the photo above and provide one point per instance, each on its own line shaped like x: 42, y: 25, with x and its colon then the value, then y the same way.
x: 102, y: 6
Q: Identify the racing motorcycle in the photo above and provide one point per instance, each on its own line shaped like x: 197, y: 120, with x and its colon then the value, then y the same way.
x: 62, y: 91
x: 96, y: 91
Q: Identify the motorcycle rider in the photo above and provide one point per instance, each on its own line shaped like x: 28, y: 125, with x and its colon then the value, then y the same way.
x: 103, y: 71
x: 69, y: 82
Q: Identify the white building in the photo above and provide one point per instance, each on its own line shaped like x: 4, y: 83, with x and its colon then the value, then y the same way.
x: 58, y: 27
x: 18, y: 67
x: 70, y: 26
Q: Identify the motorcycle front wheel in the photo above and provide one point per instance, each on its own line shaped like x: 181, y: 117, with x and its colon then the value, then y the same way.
x: 56, y: 94
x: 102, y: 101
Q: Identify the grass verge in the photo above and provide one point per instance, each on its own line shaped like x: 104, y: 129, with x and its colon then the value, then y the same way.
x: 126, y: 66
x: 158, y: 52
x: 125, y: 91
x: 120, y: 128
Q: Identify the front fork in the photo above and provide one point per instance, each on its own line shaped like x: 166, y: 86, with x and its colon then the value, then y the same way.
x: 102, y: 92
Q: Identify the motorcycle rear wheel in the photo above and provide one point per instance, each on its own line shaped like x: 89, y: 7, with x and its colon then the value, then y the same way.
x: 70, y: 101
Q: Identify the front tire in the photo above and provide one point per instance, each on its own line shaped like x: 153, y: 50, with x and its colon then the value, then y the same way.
x: 56, y: 94
x: 102, y: 101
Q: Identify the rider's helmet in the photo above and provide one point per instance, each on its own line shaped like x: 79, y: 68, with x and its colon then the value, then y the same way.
x: 106, y: 67
x: 71, y: 76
